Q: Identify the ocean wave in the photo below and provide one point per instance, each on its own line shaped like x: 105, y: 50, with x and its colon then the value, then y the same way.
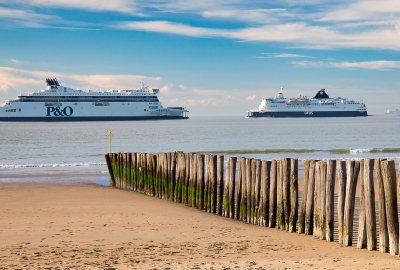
x: 51, y: 165
x: 359, y: 151
x: 261, y: 151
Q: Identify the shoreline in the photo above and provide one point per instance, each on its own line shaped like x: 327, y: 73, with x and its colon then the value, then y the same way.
x: 79, y: 224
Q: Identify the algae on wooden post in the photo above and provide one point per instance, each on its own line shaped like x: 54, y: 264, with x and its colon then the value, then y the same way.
x: 294, y: 191
x: 220, y: 184
x: 309, y: 217
x: 273, y: 195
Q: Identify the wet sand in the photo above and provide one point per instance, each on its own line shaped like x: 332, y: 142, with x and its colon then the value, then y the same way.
x: 81, y: 225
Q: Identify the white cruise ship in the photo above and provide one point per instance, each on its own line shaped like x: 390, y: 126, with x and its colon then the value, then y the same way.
x: 60, y: 103
x: 319, y: 106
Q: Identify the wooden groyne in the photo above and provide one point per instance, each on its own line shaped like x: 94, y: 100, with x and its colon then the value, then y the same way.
x: 333, y: 194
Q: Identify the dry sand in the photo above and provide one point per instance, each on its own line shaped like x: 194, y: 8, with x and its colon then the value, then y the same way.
x: 81, y: 225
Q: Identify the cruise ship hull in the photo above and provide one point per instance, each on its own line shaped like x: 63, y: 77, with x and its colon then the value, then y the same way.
x: 254, y: 114
x: 89, y: 118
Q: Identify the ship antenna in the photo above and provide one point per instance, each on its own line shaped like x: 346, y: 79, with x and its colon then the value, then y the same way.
x: 281, y: 89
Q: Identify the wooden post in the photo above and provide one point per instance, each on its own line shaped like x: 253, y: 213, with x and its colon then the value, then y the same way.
x: 193, y: 174
x: 353, y: 169
x: 302, y: 212
x: 342, y: 180
x: 172, y: 176
x: 273, y: 195
x: 220, y: 184
x: 369, y: 191
x: 154, y: 173
x: 322, y: 204
x: 133, y: 171
x: 309, y: 218
x: 132, y: 167
x: 114, y: 164
x: 138, y: 171
x: 178, y: 186
x: 200, y: 181
x: 159, y: 175
x: 225, y: 205
x: 165, y: 176
x: 149, y: 161
x: 330, y: 199
x: 149, y: 168
x: 286, y: 191
x: 123, y: 170
x: 213, y: 184
x: 256, y: 192
x: 362, y: 233
x: 185, y: 178
x: 168, y: 177
x: 389, y: 182
x: 207, y: 183
x: 280, y: 217
x: 243, y: 199
x: 294, y: 191
x: 264, y: 198
x: 383, y: 230
x: 232, y: 190
x: 248, y: 189
x: 239, y: 188
x: 118, y: 185
x: 127, y: 170
x: 317, y: 200
x: 110, y: 170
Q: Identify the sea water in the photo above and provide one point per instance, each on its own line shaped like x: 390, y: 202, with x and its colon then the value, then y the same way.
x: 71, y: 149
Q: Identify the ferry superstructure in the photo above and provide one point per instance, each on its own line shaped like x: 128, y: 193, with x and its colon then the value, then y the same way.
x: 319, y: 106
x: 60, y: 103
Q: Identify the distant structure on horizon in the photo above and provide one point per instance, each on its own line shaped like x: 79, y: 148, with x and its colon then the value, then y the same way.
x: 392, y: 111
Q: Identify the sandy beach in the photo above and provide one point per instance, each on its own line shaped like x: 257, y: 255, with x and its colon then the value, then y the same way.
x: 81, y: 225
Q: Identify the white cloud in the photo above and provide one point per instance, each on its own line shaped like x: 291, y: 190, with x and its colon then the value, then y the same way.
x: 28, y: 80
x: 252, y: 15
x: 15, y: 61
x: 170, y: 28
x: 182, y: 87
x: 166, y: 88
x: 283, y: 55
x: 382, y: 64
x: 25, y: 18
x: 369, y: 64
x: 300, y: 35
x: 5, y: 88
x: 369, y: 10
x: 250, y: 98
x: 123, y: 6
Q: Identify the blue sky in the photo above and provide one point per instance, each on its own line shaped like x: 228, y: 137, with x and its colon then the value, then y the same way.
x: 213, y: 57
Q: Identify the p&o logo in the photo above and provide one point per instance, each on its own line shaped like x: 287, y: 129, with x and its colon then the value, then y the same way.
x: 57, y: 111
x: 308, y: 113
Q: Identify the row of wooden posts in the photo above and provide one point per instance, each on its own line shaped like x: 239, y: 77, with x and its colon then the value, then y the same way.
x: 266, y: 193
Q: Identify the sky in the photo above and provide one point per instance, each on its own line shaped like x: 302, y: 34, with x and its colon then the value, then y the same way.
x: 212, y: 57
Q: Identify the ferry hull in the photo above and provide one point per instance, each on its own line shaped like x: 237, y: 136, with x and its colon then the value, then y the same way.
x: 255, y: 114
x: 89, y: 118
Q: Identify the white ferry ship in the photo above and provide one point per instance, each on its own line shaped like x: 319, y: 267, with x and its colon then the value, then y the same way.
x: 319, y: 106
x: 60, y: 103
x: 392, y: 111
